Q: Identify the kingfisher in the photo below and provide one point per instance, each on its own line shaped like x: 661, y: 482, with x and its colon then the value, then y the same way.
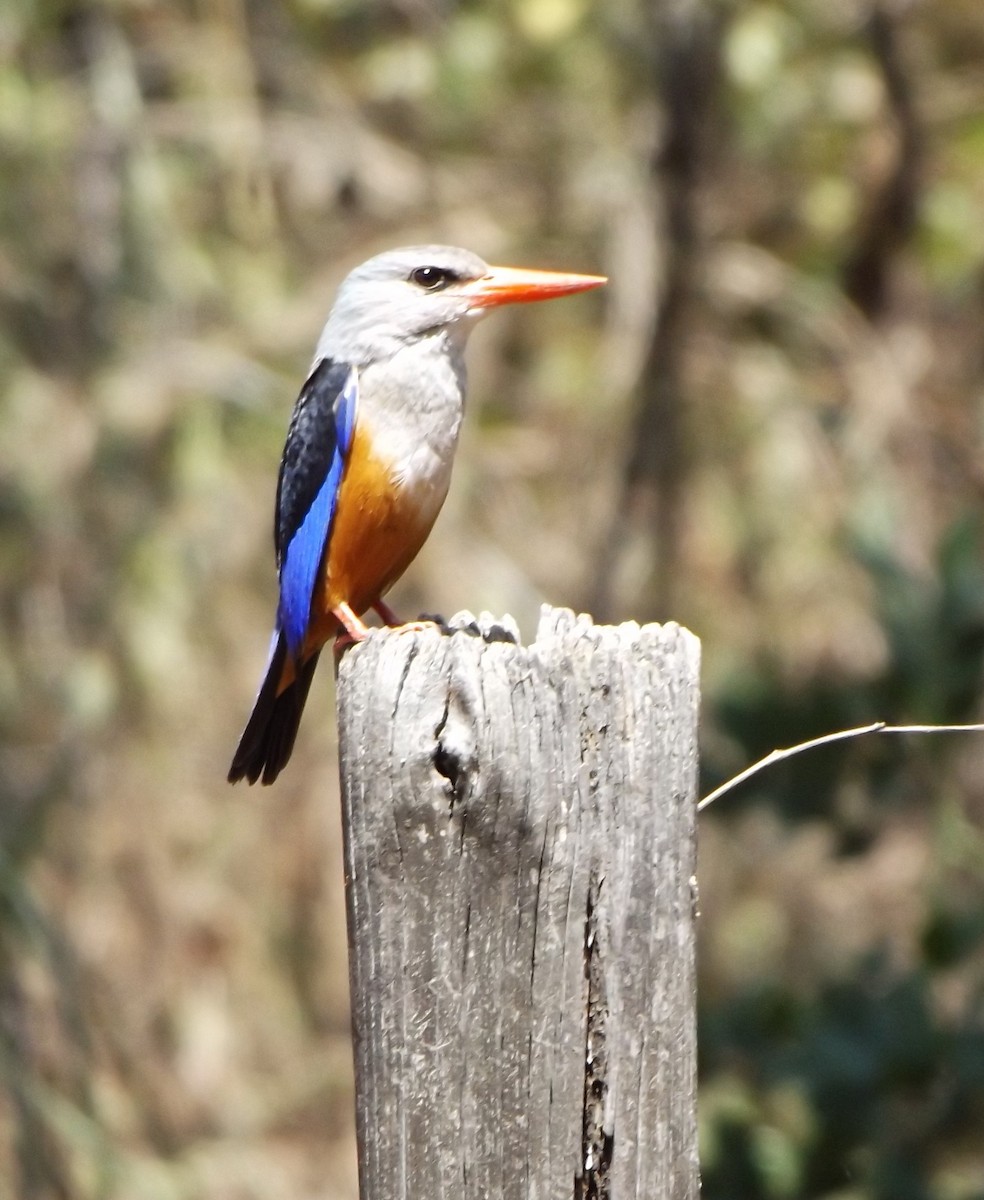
x: 367, y: 462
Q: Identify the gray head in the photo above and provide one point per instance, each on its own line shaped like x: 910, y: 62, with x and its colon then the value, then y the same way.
x: 402, y: 296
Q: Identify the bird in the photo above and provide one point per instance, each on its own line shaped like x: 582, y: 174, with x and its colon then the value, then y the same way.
x: 367, y: 461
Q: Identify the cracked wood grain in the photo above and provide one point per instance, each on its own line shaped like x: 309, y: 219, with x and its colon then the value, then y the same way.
x: 520, y: 848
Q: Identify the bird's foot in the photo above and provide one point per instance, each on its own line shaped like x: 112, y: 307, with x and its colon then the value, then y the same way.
x: 423, y: 622
x: 414, y: 626
x: 342, y: 642
x: 386, y: 614
x: 354, y: 629
x: 346, y: 639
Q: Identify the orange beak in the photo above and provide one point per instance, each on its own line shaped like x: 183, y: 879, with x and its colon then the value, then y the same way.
x: 507, y: 285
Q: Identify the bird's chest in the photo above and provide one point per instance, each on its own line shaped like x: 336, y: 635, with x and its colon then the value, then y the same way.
x: 409, y: 418
x: 416, y: 462
x: 390, y: 496
x: 411, y: 406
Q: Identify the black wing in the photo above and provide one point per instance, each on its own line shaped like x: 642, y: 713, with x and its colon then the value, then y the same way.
x: 310, y: 476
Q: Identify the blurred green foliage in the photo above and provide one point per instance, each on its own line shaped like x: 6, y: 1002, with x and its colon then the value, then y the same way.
x: 768, y: 428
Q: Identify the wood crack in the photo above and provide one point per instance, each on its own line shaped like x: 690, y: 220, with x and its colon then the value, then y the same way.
x: 597, y: 1146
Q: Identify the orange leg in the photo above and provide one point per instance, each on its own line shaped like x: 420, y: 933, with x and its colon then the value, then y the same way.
x: 394, y: 622
x: 415, y: 626
x: 352, y: 625
x: 342, y: 642
x: 354, y: 630
x: 386, y: 614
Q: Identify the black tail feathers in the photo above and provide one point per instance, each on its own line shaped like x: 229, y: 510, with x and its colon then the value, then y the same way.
x: 268, y: 739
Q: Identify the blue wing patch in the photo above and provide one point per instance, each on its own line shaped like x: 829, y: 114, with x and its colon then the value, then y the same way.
x: 311, y: 470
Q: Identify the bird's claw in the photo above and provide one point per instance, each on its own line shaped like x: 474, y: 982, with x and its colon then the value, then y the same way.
x: 386, y: 614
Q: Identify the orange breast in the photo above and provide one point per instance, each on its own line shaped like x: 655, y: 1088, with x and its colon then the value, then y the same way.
x: 378, y: 529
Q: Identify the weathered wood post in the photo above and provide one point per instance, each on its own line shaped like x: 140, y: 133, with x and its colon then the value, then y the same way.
x: 520, y: 851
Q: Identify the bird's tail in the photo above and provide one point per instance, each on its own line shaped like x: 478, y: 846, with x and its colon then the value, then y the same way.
x: 268, y: 739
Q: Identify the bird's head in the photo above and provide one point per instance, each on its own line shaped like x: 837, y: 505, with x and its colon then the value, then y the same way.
x: 403, y: 295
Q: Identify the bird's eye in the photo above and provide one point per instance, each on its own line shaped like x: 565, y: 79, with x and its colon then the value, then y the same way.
x: 432, y: 279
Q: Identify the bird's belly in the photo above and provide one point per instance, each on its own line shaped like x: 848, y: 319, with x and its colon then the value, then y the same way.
x: 382, y: 518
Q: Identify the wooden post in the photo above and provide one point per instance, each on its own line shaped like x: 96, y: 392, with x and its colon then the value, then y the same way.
x: 520, y: 853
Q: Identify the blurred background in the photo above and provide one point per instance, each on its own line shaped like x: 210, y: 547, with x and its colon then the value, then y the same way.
x: 768, y: 427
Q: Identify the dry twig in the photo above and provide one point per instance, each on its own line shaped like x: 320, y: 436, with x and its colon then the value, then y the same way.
x: 841, y: 735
